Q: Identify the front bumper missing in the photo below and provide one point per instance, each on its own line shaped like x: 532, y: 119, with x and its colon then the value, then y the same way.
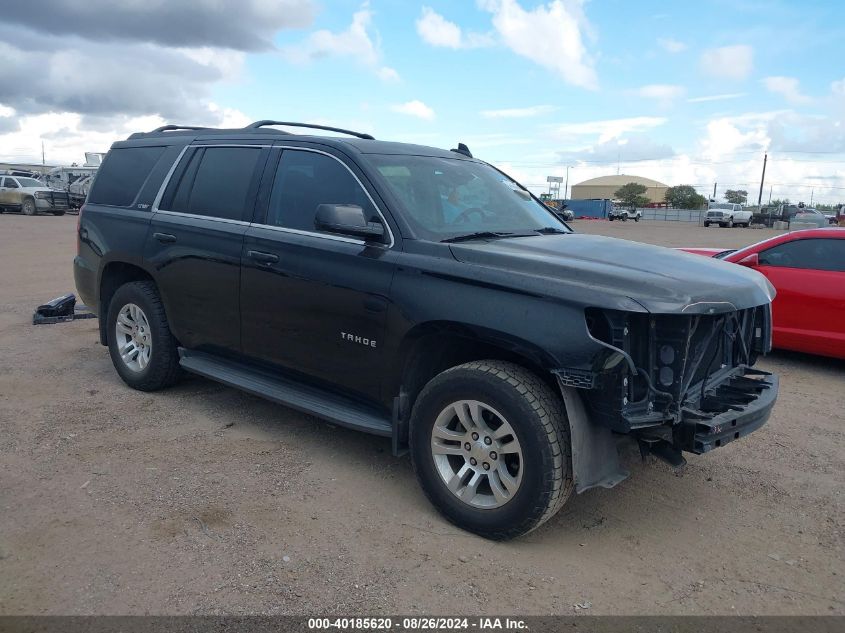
x: 746, y: 398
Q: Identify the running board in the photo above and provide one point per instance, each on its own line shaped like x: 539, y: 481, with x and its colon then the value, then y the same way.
x: 318, y: 402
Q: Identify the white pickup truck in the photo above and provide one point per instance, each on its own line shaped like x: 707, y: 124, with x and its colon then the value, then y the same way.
x: 726, y: 214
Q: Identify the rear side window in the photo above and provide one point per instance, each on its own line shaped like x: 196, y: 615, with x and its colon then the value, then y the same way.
x: 122, y: 173
x: 11, y: 184
x: 215, y: 182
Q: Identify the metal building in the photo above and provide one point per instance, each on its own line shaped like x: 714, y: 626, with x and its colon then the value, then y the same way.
x: 606, y: 187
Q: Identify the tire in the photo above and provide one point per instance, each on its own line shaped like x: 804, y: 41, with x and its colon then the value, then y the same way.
x: 161, y: 368
x: 59, y: 212
x: 706, y: 224
x: 539, y: 467
x: 730, y: 223
x: 636, y: 218
x: 28, y: 207
x: 610, y: 218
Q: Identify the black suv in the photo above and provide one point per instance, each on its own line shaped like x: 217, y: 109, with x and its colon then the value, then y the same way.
x: 423, y: 295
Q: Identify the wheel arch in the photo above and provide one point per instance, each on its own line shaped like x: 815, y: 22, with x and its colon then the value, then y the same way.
x: 112, y: 277
x: 433, y: 347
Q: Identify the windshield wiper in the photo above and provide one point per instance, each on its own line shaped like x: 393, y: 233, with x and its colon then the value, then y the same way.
x: 480, y: 235
x: 550, y: 230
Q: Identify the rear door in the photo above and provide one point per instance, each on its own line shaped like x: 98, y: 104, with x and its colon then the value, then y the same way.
x: 195, y: 238
x: 809, y: 309
x: 312, y: 301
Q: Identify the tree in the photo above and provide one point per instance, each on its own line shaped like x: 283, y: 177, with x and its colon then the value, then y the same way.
x: 631, y: 195
x: 736, y: 196
x: 684, y: 197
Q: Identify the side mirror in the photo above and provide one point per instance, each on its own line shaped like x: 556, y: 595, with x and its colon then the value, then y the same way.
x: 347, y: 219
x: 752, y: 261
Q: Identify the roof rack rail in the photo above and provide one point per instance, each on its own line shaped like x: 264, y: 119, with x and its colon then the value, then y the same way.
x: 314, y: 126
x: 167, y: 128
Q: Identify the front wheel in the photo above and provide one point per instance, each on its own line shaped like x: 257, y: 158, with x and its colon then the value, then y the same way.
x: 636, y: 218
x: 706, y: 224
x: 490, y: 446
x: 29, y: 207
x: 730, y: 223
x: 142, y: 349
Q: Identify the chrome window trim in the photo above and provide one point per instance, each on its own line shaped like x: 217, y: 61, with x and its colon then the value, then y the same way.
x: 282, y: 229
x: 363, y: 188
x: 327, y: 236
x: 195, y: 216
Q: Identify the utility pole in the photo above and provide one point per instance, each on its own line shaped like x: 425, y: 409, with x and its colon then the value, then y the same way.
x: 43, y: 168
x: 714, y: 191
x: 566, y: 187
x: 770, y: 194
x: 812, y: 190
x: 762, y: 180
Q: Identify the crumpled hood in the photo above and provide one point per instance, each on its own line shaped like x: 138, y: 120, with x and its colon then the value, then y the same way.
x: 661, y: 280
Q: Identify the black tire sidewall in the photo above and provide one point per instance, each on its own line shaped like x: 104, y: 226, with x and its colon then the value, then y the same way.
x: 162, y: 342
x: 522, y: 512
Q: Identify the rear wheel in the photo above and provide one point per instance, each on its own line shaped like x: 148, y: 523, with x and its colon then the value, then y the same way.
x: 491, y: 449
x: 28, y: 207
x: 142, y: 349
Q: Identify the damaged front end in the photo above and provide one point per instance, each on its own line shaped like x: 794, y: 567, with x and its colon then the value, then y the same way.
x: 674, y: 382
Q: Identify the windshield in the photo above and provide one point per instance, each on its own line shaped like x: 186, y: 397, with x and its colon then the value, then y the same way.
x: 716, y: 205
x: 30, y: 182
x: 445, y: 198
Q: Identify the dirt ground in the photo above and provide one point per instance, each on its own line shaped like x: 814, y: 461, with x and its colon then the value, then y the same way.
x: 201, y: 499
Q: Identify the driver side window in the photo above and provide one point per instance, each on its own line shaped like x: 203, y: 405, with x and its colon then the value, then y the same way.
x: 813, y: 253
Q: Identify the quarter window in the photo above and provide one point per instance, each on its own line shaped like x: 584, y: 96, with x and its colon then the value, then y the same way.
x: 121, y: 175
x: 11, y: 184
x: 214, y: 182
x: 812, y: 253
x: 304, y: 180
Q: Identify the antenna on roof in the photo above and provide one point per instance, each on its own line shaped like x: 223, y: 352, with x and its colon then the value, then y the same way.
x: 463, y: 149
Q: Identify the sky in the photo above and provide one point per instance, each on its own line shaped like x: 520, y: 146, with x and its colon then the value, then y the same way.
x: 682, y: 92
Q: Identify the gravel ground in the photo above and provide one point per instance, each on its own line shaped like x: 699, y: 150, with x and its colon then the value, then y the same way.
x: 201, y: 499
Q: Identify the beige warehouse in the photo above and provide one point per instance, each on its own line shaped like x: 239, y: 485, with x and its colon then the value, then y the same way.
x: 606, y: 187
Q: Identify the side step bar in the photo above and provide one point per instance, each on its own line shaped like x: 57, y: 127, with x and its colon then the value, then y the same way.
x: 318, y: 402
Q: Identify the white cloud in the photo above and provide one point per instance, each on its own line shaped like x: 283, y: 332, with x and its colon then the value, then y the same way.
x: 386, y: 73
x: 436, y: 30
x: 518, y: 113
x: 551, y: 35
x: 671, y: 45
x: 838, y: 87
x: 414, y: 108
x: 787, y: 87
x: 6, y: 111
x: 608, y: 129
x: 728, y: 62
x: 663, y: 93
x: 359, y: 42
x: 722, y: 97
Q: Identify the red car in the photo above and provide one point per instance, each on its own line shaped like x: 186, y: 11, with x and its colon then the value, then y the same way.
x: 807, y: 268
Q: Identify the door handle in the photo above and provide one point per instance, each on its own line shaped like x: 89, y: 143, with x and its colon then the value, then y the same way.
x: 165, y: 238
x: 263, y: 258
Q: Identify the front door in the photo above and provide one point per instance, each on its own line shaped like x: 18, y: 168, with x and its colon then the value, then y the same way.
x: 808, y: 311
x: 194, y: 243
x: 312, y: 301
